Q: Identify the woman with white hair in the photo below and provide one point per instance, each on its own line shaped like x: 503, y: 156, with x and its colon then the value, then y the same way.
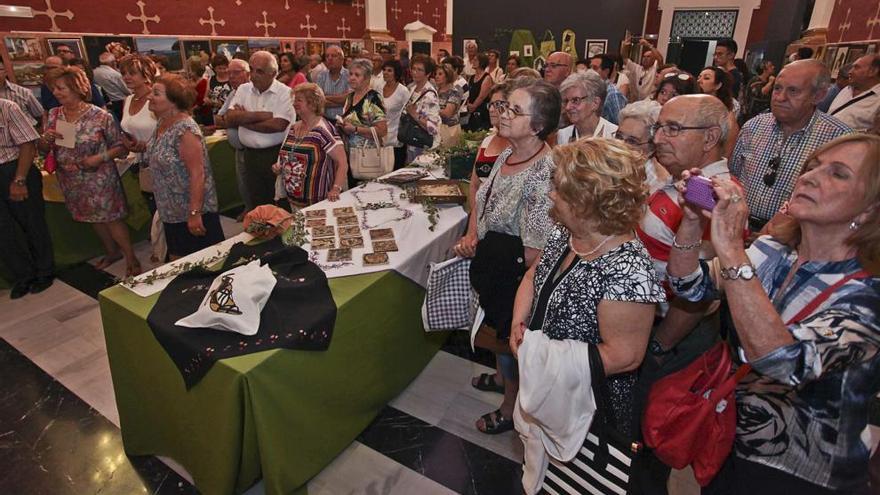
x: 636, y: 120
x: 583, y: 98
x: 363, y: 109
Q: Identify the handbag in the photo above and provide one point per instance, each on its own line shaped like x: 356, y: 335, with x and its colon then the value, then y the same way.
x: 50, y: 164
x: 370, y: 163
x: 411, y: 133
x: 450, y: 301
x: 690, y: 416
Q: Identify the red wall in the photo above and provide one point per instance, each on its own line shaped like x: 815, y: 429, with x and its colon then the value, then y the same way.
x: 863, y: 19
x: 760, y: 18
x: 181, y: 18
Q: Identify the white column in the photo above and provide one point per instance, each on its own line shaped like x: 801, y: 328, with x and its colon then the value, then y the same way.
x: 743, y: 20
x: 376, y: 16
x: 821, y: 17
x: 449, y: 18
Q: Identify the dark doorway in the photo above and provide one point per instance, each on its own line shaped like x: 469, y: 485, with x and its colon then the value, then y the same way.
x: 693, y: 55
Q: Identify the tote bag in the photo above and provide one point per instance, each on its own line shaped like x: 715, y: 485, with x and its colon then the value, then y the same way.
x: 370, y: 163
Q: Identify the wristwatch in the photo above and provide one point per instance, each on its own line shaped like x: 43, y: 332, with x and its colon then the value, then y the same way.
x: 195, y: 213
x: 746, y: 271
x: 19, y: 181
x: 656, y: 348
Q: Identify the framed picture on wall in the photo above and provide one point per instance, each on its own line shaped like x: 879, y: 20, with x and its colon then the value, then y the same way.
x: 357, y: 46
x: 839, y: 60
x: 265, y: 44
x: 513, y: 53
x: 829, y: 55
x: 119, y: 46
x: 854, y: 53
x: 528, y: 51
x: 595, y: 47
x: 195, y: 48
x: 24, y: 49
x: 315, y: 47
x: 28, y: 73
x: 872, y: 49
x: 63, y: 44
x: 230, y: 47
x: 168, y: 50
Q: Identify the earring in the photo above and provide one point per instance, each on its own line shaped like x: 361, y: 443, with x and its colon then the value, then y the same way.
x: 854, y: 225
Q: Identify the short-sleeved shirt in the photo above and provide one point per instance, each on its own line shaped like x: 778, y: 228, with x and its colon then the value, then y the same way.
x: 25, y: 99
x: 307, y: 170
x: 393, y: 109
x: 519, y: 204
x: 15, y: 130
x: 569, y: 307
x: 171, y: 178
x: 367, y: 112
x: 856, y: 112
x: 231, y: 132
x: 451, y: 96
x: 332, y: 87
x: 275, y: 99
x: 111, y: 81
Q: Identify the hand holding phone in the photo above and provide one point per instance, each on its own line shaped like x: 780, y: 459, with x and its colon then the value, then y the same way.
x: 700, y: 192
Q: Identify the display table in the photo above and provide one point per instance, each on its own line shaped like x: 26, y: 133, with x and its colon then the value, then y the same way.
x: 280, y: 415
x: 222, y: 157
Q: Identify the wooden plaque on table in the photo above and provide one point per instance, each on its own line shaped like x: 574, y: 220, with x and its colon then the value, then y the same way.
x: 440, y: 191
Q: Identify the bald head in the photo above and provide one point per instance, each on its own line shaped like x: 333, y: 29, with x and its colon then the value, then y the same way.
x: 812, y: 70
x: 865, y: 72
x: 558, y: 67
x: 264, y: 68
x: 239, y: 72
x: 53, y: 62
x: 264, y: 59
x: 679, y: 148
x: 797, y: 91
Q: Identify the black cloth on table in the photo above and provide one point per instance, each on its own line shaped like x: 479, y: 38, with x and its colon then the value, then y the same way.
x: 300, y: 313
x: 496, y: 270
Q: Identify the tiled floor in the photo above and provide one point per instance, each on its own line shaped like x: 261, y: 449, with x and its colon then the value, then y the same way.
x: 59, y: 425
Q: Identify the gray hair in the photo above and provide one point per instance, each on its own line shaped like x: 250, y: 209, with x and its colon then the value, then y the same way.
x: 644, y: 111
x: 592, y: 84
x: 262, y: 54
x: 822, y: 79
x: 546, y: 105
x: 364, y: 65
x: 243, y: 63
x: 711, y: 112
x: 106, y: 58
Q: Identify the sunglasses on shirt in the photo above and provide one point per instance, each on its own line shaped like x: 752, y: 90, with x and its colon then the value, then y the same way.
x: 770, y: 176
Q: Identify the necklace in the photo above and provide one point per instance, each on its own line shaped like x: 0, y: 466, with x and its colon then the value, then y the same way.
x: 78, y: 112
x: 513, y: 164
x: 590, y: 252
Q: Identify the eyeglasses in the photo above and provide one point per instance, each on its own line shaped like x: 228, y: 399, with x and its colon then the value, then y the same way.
x: 504, y: 109
x: 576, y: 100
x: 673, y: 130
x: 770, y: 176
x: 630, y: 140
x: 497, y: 105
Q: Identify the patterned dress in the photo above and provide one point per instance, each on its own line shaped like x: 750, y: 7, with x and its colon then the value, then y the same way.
x: 92, y: 195
x: 427, y: 108
x: 170, y: 176
x: 367, y: 112
x: 307, y: 170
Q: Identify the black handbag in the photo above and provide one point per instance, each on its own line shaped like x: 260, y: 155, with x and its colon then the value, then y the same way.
x: 411, y: 133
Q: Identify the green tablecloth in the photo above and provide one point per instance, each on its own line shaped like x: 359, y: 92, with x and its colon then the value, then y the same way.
x: 222, y: 157
x: 282, y: 415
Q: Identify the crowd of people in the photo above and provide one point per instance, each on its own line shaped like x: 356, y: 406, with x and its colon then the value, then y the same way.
x: 580, y: 226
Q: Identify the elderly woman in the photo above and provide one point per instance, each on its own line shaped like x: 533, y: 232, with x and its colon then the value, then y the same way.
x: 717, y: 82
x: 594, y: 283
x: 479, y: 85
x: 806, y: 319
x: 185, y: 195
x: 395, y: 95
x: 312, y: 160
x: 450, y: 99
x: 86, y: 171
x: 674, y: 84
x: 583, y: 98
x: 363, y: 109
x: 508, y: 227
x: 423, y: 104
x: 636, y: 121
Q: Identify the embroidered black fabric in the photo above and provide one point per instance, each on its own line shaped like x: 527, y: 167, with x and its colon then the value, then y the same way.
x: 300, y: 313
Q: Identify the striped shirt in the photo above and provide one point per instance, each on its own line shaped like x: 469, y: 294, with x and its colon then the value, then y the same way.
x: 25, y: 99
x: 614, y: 103
x: 803, y: 408
x: 15, y: 130
x: 760, y: 141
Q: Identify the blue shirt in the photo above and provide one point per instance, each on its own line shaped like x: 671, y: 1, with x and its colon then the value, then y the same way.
x: 825, y: 104
x: 803, y: 407
x: 614, y: 103
x: 48, y: 100
x: 333, y: 88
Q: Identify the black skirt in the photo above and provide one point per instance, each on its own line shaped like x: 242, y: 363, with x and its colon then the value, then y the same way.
x: 181, y: 242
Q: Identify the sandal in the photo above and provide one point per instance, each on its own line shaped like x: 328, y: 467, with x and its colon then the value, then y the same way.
x: 487, y: 383
x: 494, y: 423
x: 108, y: 260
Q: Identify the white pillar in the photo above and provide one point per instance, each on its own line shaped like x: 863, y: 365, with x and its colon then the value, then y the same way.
x: 449, y: 18
x: 376, y: 16
x: 821, y: 17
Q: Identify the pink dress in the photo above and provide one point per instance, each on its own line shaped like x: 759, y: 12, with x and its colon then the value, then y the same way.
x: 298, y: 79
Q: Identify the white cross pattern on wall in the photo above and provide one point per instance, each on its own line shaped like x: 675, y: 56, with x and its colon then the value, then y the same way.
x: 212, y: 21
x: 436, y: 16
x: 308, y: 26
x: 845, y: 25
x: 418, y: 12
x: 325, y: 2
x: 397, y: 10
x: 265, y: 25
x: 286, y: 5
x: 874, y: 22
x: 358, y: 6
x: 143, y: 17
x: 52, y: 14
x: 343, y: 28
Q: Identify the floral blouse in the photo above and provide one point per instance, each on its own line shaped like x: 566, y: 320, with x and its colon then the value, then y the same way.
x: 170, y: 176
x: 519, y: 204
x: 427, y: 107
x: 804, y: 407
x: 451, y: 96
x: 365, y: 113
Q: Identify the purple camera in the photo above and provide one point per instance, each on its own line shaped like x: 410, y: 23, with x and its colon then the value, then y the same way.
x: 700, y: 193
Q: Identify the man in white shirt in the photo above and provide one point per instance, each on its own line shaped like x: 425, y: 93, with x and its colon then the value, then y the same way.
x: 377, y: 81
x: 644, y: 74
x: 110, y: 80
x: 857, y: 103
x: 262, y: 110
x: 239, y: 74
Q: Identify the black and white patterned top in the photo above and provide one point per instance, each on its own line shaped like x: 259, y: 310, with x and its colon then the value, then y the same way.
x: 570, y: 310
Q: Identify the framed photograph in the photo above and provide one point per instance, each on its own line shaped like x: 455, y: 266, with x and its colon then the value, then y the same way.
x: 73, y: 44
x: 872, y: 49
x: 595, y: 47
x: 528, y: 51
x: 270, y: 45
x: 119, y: 46
x: 346, y: 47
x: 167, y: 48
x: 357, y: 46
x: 24, y: 49
x: 196, y: 48
x: 512, y: 53
x: 829, y: 55
x: 315, y: 47
x: 28, y: 73
x: 465, y: 43
x: 839, y: 60
x: 230, y: 47
x: 854, y: 53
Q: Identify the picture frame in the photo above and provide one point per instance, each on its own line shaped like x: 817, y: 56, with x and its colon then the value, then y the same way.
x: 839, y: 60
x: 872, y: 49
x: 854, y: 53
x: 119, y: 46
x: 829, y: 55
x: 528, y: 51
x: 29, y: 73
x: 315, y: 47
x: 229, y: 47
x: 357, y: 46
x: 194, y: 48
x: 513, y: 53
x: 595, y: 47
x: 168, y: 47
x: 270, y: 45
x: 24, y: 49
x: 75, y: 44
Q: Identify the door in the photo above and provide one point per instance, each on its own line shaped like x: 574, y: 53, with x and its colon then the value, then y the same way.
x: 694, y: 54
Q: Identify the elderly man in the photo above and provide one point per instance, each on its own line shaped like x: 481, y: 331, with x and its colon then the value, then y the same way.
x: 857, y: 103
x: 262, y: 110
x: 316, y: 66
x: 333, y: 82
x: 771, y: 147
x: 21, y: 96
x: 377, y: 82
x: 21, y: 204
x: 841, y: 82
x: 725, y: 54
x: 557, y: 68
x: 615, y: 101
x: 643, y: 74
x: 239, y: 73
x: 110, y: 80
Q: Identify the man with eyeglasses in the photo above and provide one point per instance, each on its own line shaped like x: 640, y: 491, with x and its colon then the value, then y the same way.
x: 65, y: 52
x: 771, y: 147
x: 557, y: 68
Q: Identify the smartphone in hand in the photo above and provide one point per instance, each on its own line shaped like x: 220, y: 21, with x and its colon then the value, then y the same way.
x: 700, y: 192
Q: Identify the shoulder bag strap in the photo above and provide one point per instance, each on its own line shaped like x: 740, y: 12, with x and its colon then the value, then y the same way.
x: 489, y: 194
x: 852, y: 102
